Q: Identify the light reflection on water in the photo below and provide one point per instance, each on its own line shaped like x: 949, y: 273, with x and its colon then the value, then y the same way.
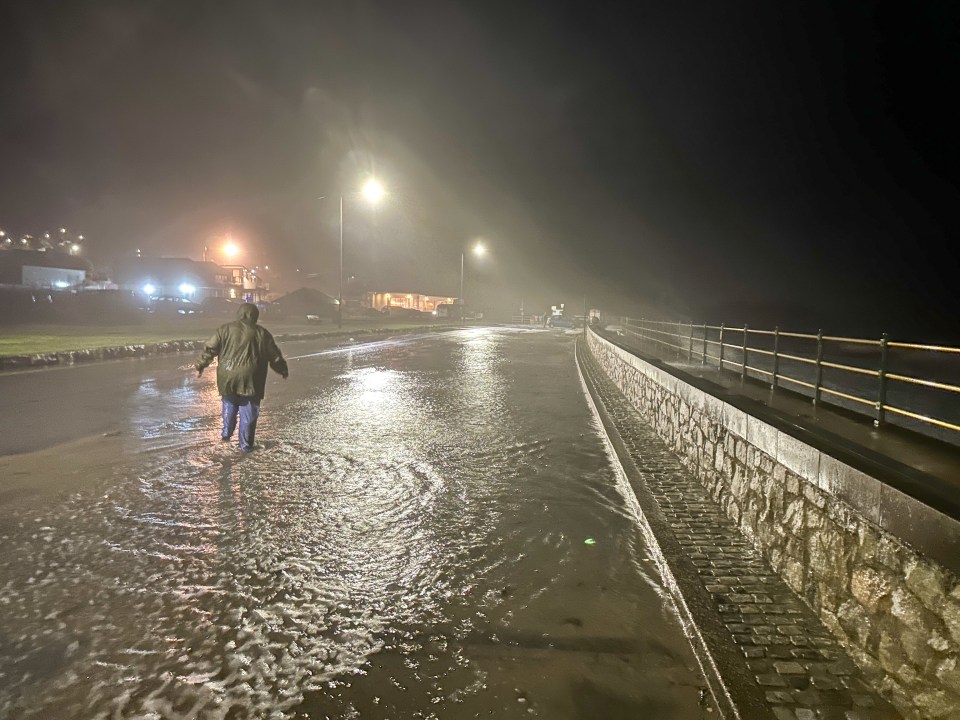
x: 418, y: 507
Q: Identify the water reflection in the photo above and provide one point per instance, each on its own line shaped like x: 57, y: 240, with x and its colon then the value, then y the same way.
x: 407, y: 540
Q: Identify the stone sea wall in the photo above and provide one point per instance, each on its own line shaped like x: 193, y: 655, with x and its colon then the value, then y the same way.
x: 877, y: 567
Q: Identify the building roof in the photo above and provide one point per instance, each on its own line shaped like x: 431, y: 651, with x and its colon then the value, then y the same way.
x: 305, y: 299
x: 168, y: 271
x: 15, y: 259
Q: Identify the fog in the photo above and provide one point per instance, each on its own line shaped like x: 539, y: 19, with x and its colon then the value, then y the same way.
x: 738, y: 164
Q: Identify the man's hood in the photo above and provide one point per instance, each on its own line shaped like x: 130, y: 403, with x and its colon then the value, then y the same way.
x: 248, y: 313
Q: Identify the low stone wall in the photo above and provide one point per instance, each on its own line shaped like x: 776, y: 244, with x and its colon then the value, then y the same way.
x: 877, y: 566
x: 71, y: 357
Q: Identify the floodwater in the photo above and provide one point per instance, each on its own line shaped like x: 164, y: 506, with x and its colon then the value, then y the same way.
x: 429, y: 528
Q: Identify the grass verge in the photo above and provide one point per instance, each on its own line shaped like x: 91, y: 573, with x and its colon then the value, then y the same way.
x: 37, y: 339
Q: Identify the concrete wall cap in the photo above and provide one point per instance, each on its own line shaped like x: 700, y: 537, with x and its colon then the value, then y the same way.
x: 762, y: 436
x: 799, y: 457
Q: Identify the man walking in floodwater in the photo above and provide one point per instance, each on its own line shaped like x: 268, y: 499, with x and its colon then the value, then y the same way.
x: 245, y: 350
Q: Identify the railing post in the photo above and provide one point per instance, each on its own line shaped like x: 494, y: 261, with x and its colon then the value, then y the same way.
x: 690, y: 346
x: 819, y: 378
x: 679, y: 338
x: 776, y: 356
x: 721, y: 346
x: 882, y: 389
x: 743, y: 369
x: 703, y: 360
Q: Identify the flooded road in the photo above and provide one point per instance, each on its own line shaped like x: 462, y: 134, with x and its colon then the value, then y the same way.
x: 429, y: 528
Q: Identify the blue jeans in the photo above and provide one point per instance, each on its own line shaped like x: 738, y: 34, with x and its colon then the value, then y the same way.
x: 249, y: 410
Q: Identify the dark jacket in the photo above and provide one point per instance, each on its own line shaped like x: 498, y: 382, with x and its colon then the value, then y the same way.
x: 244, y: 350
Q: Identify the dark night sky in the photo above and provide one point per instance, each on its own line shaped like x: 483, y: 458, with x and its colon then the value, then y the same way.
x: 738, y: 161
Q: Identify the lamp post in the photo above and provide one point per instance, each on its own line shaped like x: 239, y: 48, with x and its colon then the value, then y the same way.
x: 373, y: 193
x: 478, y: 250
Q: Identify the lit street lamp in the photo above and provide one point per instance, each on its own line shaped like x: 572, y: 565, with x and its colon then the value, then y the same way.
x: 478, y: 250
x: 373, y: 192
x: 230, y: 249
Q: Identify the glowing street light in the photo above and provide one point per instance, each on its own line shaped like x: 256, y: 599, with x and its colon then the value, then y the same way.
x: 373, y: 192
x: 231, y: 250
x: 186, y: 289
x: 479, y: 250
x: 75, y: 248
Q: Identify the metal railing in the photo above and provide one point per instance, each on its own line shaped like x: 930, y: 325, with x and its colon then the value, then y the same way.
x: 911, y: 384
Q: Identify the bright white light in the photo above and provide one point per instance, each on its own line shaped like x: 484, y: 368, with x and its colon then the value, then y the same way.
x: 149, y: 289
x: 2, y: 233
x: 61, y: 284
x: 79, y: 237
x: 230, y: 250
x: 186, y: 289
x: 373, y: 191
x: 479, y: 249
x: 75, y: 248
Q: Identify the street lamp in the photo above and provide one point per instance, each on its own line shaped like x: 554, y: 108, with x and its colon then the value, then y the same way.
x: 479, y: 250
x: 373, y: 192
x: 230, y: 249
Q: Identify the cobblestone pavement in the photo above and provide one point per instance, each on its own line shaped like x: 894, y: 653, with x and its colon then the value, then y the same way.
x: 801, y: 670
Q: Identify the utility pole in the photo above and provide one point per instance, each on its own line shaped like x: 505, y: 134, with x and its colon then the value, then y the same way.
x: 340, y: 296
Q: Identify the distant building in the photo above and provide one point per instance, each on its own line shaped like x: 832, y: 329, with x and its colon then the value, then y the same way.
x: 411, y: 301
x: 42, y: 269
x: 178, y: 277
x: 245, y: 284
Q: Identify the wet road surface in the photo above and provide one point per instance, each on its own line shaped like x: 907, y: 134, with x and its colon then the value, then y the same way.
x: 408, y: 540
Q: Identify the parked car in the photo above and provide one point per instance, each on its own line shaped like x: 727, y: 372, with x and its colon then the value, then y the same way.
x: 401, y: 312
x: 173, y: 305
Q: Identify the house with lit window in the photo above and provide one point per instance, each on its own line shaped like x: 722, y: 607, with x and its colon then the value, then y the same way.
x: 245, y: 284
x: 410, y: 301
